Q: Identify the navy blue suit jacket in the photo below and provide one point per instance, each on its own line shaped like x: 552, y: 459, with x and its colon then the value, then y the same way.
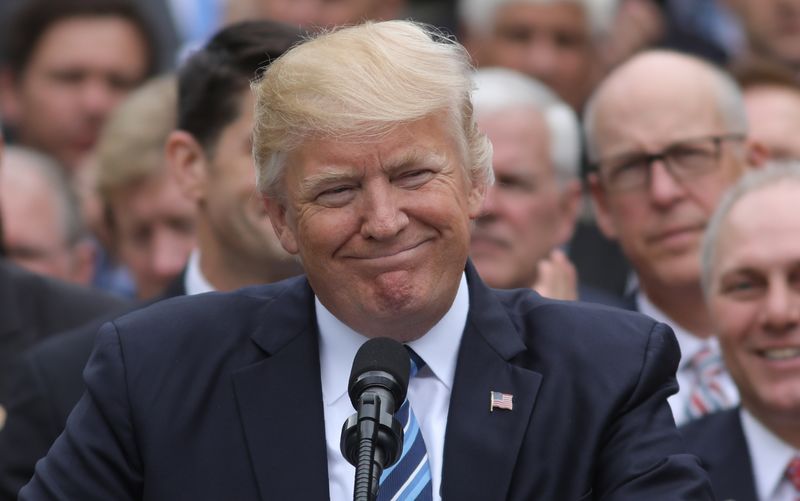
x: 718, y: 440
x: 46, y: 384
x: 218, y: 396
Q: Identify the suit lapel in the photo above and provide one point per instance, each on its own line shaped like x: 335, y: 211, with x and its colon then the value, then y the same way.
x: 280, y: 401
x: 481, y: 446
x: 728, y: 462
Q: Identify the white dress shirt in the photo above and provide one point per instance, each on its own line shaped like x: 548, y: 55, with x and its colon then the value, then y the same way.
x: 769, y: 456
x: 428, y: 392
x: 194, y: 281
x: 690, y: 345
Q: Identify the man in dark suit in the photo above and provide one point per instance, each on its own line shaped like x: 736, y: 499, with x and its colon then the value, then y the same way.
x: 372, y: 168
x: 214, y: 85
x: 667, y: 134
x: 33, y: 307
x: 750, y: 265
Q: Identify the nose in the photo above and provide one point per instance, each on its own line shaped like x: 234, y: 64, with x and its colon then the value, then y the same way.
x: 541, y: 59
x: 781, y: 310
x: 383, y: 217
x: 97, y: 97
x: 665, y: 188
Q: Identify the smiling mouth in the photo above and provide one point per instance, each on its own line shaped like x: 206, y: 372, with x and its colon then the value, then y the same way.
x: 390, y: 253
x: 780, y: 353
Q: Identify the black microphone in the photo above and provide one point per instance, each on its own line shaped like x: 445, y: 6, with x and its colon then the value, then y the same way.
x: 372, y: 439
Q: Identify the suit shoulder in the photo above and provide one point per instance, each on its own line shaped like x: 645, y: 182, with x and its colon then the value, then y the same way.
x: 211, y: 316
x: 708, y: 430
x: 528, y: 309
x: 54, y: 305
x: 583, y: 335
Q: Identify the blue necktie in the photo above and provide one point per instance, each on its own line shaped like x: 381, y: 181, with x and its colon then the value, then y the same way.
x: 410, y: 477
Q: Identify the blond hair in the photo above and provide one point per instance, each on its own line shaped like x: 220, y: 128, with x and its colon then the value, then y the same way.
x: 131, y: 146
x: 359, y: 83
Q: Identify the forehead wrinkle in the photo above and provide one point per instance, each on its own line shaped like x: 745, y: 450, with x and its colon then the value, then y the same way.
x: 415, y: 156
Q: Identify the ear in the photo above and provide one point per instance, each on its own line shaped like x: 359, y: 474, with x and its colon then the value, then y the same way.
x: 282, y: 224
x: 477, y: 193
x: 600, y: 204
x: 757, y: 154
x: 187, y: 161
x: 570, y: 201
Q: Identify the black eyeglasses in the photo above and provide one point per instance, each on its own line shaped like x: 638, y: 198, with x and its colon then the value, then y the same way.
x: 685, y: 160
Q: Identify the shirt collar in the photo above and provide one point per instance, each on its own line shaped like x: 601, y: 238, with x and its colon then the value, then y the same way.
x: 769, y: 455
x: 689, y: 344
x: 438, y: 347
x: 195, y: 282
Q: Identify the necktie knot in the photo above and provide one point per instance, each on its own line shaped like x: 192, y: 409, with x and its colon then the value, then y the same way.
x: 707, y: 393
x: 417, y: 363
x: 793, y: 473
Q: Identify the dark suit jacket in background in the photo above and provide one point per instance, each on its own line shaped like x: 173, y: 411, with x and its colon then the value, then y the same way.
x: 718, y: 440
x: 218, y: 396
x: 33, y: 307
x: 46, y: 384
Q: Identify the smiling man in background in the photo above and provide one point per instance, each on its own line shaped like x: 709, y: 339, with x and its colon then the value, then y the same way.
x: 751, y: 278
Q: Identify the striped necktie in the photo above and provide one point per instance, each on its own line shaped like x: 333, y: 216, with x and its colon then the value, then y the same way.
x: 707, y: 394
x: 793, y: 475
x: 410, y: 477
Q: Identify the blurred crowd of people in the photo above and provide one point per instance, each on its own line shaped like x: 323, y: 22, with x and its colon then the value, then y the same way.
x: 617, y: 128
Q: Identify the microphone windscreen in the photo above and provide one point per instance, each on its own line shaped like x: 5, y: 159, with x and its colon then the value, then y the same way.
x: 382, y: 354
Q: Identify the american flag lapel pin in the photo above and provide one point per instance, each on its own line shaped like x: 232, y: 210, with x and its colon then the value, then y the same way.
x: 499, y: 400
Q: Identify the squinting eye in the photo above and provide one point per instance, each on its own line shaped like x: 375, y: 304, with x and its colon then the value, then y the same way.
x: 336, y: 197
x: 414, y: 178
x: 745, y: 288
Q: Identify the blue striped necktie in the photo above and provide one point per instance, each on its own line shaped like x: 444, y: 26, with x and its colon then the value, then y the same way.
x: 410, y: 477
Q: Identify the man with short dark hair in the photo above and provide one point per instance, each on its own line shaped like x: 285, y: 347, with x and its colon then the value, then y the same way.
x: 235, y: 243
x: 68, y: 63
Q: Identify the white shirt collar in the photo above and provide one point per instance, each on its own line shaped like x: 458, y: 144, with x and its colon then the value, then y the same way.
x: 769, y: 455
x: 688, y: 342
x: 194, y: 281
x: 438, y: 347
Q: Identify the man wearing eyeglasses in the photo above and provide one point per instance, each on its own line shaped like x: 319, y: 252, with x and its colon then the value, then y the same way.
x: 667, y: 135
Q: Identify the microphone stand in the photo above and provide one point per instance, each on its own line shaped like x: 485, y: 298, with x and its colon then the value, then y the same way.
x: 372, y: 439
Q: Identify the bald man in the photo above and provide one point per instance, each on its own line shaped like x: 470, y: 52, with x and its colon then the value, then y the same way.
x: 667, y: 135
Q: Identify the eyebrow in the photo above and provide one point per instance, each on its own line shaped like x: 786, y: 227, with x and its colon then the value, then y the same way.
x: 337, y: 173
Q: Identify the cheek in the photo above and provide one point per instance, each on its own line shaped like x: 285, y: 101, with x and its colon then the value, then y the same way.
x: 136, y: 258
x: 733, y: 321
